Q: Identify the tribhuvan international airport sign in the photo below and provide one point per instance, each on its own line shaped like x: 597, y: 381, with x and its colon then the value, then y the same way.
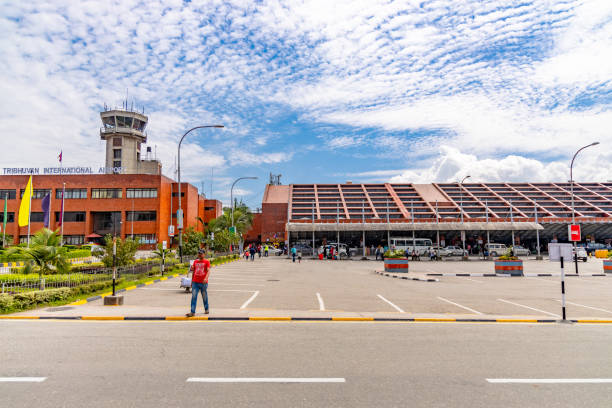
x: 60, y: 170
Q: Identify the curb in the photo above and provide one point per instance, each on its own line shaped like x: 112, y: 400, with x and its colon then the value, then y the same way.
x: 506, y: 275
x: 407, y: 277
x: 301, y: 319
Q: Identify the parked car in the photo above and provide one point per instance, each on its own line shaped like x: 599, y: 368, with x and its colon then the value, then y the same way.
x: 274, y: 251
x: 580, y: 253
x: 520, y: 251
x: 441, y: 251
x: 456, y: 251
x: 496, y: 249
x: 305, y: 250
x: 343, y: 251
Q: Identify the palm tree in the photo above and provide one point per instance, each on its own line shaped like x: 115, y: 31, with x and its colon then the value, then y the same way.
x: 45, y: 252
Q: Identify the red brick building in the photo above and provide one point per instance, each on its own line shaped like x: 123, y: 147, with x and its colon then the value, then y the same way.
x: 125, y: 205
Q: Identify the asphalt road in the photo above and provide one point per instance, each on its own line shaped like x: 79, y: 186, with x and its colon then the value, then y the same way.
x: 142, y: 364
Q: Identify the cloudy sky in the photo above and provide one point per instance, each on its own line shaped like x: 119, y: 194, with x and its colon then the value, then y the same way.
x: 318, y: 91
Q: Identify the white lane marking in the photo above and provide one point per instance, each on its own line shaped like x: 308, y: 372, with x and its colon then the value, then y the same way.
x: 245, y: 304
x: 544, y: 280
x: 264, y: 380
x: 458, y: 305
x: 392, y: 305
x: 321, y: 304
x: 549, y: 380
x: 233, y: 284
x: 588, y: 307
x: 22, y: 379
x: 529, y: 307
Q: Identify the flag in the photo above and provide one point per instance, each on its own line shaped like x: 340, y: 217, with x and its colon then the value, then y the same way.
x: 45, y: 207
x: 61, y: 219
x: 24, y: 207
x: 5, y: 212
x: 60, y: 156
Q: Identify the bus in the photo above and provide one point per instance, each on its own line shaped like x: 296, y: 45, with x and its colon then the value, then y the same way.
x: 420, y: 245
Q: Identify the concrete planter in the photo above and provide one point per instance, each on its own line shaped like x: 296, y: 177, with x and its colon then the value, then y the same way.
x: 607, y: 265
x: 514, y: 268
x: 396, y: 264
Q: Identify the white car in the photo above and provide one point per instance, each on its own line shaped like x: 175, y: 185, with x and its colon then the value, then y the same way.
x: 456, y: 251
x: 520, y: 251
x: 580, y: 253
x: 442, y: 251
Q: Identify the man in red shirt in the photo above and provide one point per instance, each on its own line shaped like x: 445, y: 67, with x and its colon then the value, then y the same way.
x: 199, y: 282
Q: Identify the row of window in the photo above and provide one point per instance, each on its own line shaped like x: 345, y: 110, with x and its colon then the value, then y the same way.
x: 80, y: 239
x: 80, y: 216
x: 38, y: 194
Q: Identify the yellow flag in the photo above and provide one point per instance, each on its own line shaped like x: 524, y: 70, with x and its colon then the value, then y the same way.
x: 24, y: 208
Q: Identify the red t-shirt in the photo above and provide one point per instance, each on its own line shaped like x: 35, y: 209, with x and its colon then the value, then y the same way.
x: 201, y: 270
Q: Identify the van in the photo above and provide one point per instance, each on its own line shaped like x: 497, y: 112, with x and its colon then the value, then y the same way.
x: 496, y: 249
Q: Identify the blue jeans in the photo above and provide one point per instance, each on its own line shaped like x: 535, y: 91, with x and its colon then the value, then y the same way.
x: 195, y: 288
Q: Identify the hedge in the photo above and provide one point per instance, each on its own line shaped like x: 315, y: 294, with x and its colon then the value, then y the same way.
x: 79, y: 253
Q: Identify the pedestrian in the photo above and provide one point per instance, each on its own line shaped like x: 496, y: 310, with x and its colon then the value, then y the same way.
x: 377, y: 252
x: 266, y: 249
x: 293, y: 253
x: 432, y: 254
x: 259, y: 250
x: 246, y: 254
x: 200, y: 270
x: 252, y: 251
x: 299, y: 257
x: 414, y: 255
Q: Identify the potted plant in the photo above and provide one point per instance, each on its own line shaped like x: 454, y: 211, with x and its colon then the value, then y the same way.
x: 396, y: 261
x: 509, y: 264
x: 607, y: 263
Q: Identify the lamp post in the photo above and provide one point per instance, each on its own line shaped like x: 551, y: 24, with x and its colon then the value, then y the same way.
x: 461, y: 205
x: 232, y: 198
x: 179, y: 216
x: 572, y: 196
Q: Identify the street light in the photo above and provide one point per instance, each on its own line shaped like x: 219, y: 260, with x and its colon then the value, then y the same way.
x: 461, y: 205
x: 232, y: 198
x: 572, y: 197
x: 180, y: 209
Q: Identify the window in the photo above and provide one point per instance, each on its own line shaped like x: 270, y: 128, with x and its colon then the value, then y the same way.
x: 71, y: 216
x: 10, y: 217
x: 109, y: 122
x: 116, y: 153
x: 139, y: 125
x: 38, y: 193
x: 106, y: 193
x: 74, y: 239
x: 176, y: 194
x: 141, y: 193
x: 116, y: 163
x: 11, y: 194
x: 124, y: 121
x: 209, y: 208
x: 141, y: 215
x: 145, y: 238
x: 117, y: 142
x: 71, y: 193
x: 37, y: 216
x: 23, y: 239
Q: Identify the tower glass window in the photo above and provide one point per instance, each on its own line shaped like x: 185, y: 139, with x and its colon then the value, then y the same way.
x: 109, y: 122
x: 124, y: 121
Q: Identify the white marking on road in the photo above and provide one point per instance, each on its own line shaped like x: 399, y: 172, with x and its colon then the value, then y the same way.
x: 392, y: 305
x: 529, y: 307
x: 461, y: 306
x: 549, y: 380
x: 245, y: 304
x: 321, y: 304
x: 22, y: 379
x: 265, y: 380
x: 588, y: 307
x: 234, y: 284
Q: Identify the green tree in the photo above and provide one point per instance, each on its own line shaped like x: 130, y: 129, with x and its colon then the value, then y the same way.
x: 243, y: 219
x: 160, y: 252
x: 126, y: 250
x: 192, y: 240
x: 45, y: 252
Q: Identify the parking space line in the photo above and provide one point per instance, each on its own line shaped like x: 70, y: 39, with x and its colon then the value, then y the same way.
x: 588, y: 307
x: 529, y: 307
x: 458, y: 305
x: 392, y: 305
x: 264, y: 380
x: 245, y: 304
x: 321, y: 304
x: 22, y: 379
x: 549, y: 380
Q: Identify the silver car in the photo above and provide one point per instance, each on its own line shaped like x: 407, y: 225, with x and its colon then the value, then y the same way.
x: 520, y: 251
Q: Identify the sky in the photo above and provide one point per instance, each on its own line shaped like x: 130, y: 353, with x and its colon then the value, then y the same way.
x: 319, y: 91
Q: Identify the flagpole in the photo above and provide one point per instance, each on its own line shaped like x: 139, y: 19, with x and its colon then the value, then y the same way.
x: 62, y: 217
x: 30, y: 208
x: 4, y: 221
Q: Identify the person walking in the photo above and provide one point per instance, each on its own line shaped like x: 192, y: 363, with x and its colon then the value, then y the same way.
x: 266, y: 249
x: 293, y: 253
x: 259, y: 250
x: 200, y: 270
x: 252, y: 251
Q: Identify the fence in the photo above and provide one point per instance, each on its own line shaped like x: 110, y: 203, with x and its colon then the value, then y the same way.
x: 84, y: 277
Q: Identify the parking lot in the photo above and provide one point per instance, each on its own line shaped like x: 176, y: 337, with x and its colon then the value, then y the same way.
x: 278, y: 287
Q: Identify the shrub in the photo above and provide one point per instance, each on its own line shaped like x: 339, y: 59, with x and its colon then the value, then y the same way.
x: 508, y: 256
x: 78, y: 253
x: 395, y: 254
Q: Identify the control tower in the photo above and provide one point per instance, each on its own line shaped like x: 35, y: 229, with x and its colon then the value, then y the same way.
x: 124, y: 132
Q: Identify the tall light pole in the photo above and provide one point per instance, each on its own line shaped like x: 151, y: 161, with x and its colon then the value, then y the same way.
x: 461, y: 205
x: 179, y: 215
x: 572, y: 196
x: 232, y: 200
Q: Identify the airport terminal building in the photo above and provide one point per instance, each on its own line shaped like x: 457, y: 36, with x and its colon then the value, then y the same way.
x: 128, y: 197
x: 351, y: 212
